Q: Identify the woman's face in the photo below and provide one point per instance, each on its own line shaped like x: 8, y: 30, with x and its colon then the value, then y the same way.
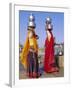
x: 30, y: 34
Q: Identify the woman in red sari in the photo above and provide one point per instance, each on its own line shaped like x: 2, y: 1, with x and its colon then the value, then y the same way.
x: 49, y: 61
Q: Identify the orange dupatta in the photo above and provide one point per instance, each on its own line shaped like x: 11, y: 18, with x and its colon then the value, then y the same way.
x: 23, y: 55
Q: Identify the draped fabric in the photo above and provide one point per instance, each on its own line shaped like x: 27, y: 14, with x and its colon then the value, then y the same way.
x: 25, y: 50
x: 49, y: 61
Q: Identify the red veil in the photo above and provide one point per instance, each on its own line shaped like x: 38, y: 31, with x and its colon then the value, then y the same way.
x: 49, y: 61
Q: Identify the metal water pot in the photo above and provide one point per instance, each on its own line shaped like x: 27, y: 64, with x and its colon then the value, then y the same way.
x: 31, y: 22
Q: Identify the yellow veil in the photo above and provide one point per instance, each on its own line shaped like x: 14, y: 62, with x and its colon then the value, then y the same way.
x: 24, y: 53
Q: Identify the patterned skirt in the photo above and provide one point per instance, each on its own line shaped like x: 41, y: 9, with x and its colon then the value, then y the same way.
x: 33, y: 67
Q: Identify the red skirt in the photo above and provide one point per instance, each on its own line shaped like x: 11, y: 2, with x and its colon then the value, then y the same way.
x: 49, y: 61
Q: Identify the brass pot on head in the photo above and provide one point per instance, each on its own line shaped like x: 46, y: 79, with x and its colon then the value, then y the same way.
x: 48, y: 20
x: 31, y: 22
x: 32, y: 25
x: 49, y: 25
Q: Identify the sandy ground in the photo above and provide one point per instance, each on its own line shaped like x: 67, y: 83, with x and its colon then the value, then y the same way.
x: 23, y: 75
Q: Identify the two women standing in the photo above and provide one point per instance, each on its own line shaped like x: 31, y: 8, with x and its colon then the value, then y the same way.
x: 29, y: 55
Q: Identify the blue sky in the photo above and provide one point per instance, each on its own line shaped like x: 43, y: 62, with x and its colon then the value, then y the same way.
x: 40, y: 17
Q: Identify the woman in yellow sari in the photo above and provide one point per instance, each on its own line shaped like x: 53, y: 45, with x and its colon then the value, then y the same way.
x: 29, y: 55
